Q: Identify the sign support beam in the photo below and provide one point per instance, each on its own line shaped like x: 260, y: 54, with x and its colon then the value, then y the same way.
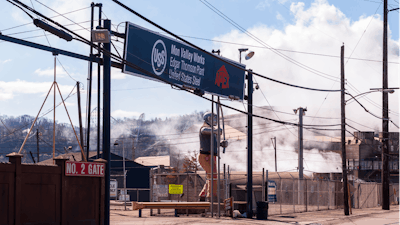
x: 107, y: 122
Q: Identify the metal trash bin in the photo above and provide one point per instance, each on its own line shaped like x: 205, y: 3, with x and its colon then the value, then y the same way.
x: 262, y: 210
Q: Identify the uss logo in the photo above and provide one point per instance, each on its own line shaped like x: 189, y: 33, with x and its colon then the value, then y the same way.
x: 222, y: 78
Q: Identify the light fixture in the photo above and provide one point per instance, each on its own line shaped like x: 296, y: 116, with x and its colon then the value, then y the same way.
x: 101, y: 36
x: 249, y: 55
x: 60, y: 33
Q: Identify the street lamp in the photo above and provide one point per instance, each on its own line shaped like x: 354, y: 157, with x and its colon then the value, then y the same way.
x: 123, y: 166
x: 247, y: 57
x: 372, y: 90
x: 249, y: 197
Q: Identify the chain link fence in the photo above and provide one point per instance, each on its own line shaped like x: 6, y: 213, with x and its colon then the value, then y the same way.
x: 285, y: 195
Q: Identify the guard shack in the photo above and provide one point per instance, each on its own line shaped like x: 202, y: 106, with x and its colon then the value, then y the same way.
x: 48, y: 194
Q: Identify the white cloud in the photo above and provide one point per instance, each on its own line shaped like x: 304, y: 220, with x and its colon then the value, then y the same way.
x: 321, y: 28
x: 117, y: 75
x: 262, y: 5
x: 122, y: 114
x: 60, y: 72
x: 9, y: 89
x: 266, y: 3
x: 5, y: 61
x: 280, y: 17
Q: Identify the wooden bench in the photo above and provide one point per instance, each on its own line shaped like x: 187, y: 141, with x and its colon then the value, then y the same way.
x: 169, y: 205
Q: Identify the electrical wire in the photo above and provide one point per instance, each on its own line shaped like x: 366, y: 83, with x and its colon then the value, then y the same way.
x: 56, y: 56
x: 60, y: 14
x: 50, y: 17
x: 210, y: 54
x: 21, y: 9
x: 149, y: 73
x: 301, y: 65
x: 28, y: 31
x: 271, y: 107
x: 146, y: 72
x: 50, y: 110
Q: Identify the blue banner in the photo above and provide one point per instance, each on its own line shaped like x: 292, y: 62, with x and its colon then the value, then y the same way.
x: 181, y: 64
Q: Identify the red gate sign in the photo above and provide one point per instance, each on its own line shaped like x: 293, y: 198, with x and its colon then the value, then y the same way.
x: 86, y: 169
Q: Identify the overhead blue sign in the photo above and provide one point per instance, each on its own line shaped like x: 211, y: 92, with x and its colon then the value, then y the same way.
x: 181, y: 64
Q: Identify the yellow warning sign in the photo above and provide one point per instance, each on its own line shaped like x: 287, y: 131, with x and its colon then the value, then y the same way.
x: 175, y: 189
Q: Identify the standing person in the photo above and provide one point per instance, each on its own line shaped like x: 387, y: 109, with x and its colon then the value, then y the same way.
x: 205, y: 154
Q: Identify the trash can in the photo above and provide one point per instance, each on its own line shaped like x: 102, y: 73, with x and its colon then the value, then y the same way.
x: 262, y: 210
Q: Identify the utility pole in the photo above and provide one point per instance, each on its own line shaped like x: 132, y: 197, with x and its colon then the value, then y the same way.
x: 343, y: 134
x: 250, y: 145
x: 107, y: 122
x: 89, y: 105
x: 80, y: 116
x: 385, y: 116
x: 218, y: 160
x: 212, y: 156
x: 274, y: 144
x: 123, y: 157
x: 98, y: 91
x: 300, y: 153
x: 37, y: 144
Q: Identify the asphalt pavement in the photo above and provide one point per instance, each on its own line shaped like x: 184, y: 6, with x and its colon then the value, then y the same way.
x: 373, y: 216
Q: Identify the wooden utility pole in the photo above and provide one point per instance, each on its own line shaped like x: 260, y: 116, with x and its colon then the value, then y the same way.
x: 300, y: 163
x: 274, y: 144
x: 80, y: 118
x: 385, y: 116
x: 343, y: 134
x: 37, y: 144
x: 249, y: 198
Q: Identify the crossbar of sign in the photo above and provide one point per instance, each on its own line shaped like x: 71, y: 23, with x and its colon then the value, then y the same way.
x: 87, y: 169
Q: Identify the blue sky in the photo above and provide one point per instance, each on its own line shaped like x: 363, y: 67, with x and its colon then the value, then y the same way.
x: 308, y: 26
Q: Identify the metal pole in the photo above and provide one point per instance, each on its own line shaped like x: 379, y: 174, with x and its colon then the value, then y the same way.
x: 229, y: 184
x: 218, y: 159
x: 89, y: 105
x: 195, y: 183
x: 343, y: 134
x: 37, y: 144
x: 263, y: 185
x: 274, y: 144
x: 98, y: 93
x: 107, y: 122
x: 78, y: 94
x: 266, y: 193
x: 300, y: 143
x: 250, y: 145
x: 123, y: 157
x: 212, y: 156
x: 385, y: 115
x: 300, y: 164
x: 225, y: 183
x: 54, y: 110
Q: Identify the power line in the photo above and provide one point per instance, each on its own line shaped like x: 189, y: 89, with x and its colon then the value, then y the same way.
x: 157, y: 77
x: 50, y: 17
x: 208, y: 53
x: 278, y: 49
x: 56, y: 56
x: 50, y: 110
x: 28, y: 31
x: 60, y: 14
x: 272, y: 109
x: 301, y: 65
